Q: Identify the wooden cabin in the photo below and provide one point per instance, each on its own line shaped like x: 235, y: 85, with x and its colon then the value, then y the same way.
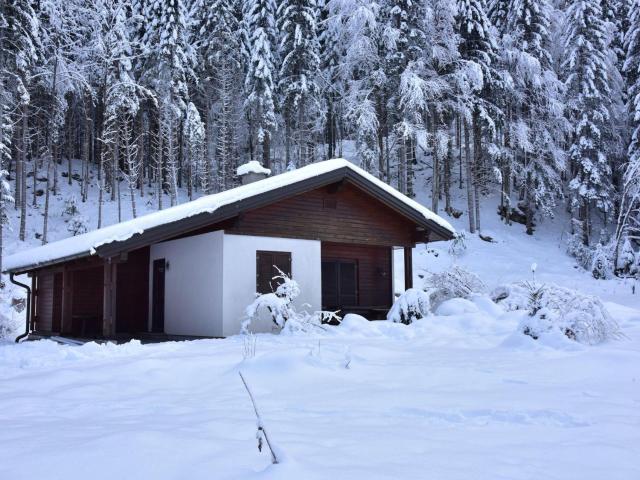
x: 191, y: 270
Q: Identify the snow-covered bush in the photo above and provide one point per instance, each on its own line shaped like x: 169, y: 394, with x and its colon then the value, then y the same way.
x: 70, y: 208
x: 78, y: 225
x: 458, y: 246
x: 453, y: 283
x: 597, y: 259
x: 412, y: 305
x: 277, y: 303
x: 580, y: 317
x: 628, y: 261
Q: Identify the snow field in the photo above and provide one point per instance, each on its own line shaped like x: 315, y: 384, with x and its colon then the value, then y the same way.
x: 452, y: 396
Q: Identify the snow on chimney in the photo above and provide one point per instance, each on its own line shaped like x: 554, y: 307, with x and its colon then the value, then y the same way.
x: 252, y: 172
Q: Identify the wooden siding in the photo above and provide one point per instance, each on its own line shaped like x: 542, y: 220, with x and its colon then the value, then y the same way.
x: 132, y: 293
x: 44, y: 302
x: 336, y: 213
x: 88, y: 290
x: 374, y: 271
x: 347, y: 215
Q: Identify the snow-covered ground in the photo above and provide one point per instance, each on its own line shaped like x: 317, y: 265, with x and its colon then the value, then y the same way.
x: 454, y: 397
x: 450, y: 397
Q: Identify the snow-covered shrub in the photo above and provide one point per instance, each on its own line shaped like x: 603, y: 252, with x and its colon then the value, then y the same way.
x: 277, y: 303
x: 70, y: 208
x: 458, y: 246
x: 283, y: 314
x: 598, y: 259
x: 453, y: 283
x: 412, y: 305
x: 602, y: 261
x: 78, y: 225
x: 580, y: 317
x: 628, y: 261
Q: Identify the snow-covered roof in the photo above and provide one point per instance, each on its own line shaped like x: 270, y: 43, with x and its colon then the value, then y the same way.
x: 88, y: 243
x: 252, y: 167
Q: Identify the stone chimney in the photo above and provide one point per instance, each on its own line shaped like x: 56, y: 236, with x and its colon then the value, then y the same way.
x: 252, y: 172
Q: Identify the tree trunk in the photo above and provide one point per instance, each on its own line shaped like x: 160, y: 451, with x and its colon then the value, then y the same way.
x: 23, y: 177
x: 45, y: 225
x: 435, y: 185
x: 447, y: 177
x: 477, y: 160
x: 469, y: 173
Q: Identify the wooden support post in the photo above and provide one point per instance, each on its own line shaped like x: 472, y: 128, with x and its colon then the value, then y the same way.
x: 109, y: 299
x: 67, y: 299
x: 408, y: 268
x: 32, y: 300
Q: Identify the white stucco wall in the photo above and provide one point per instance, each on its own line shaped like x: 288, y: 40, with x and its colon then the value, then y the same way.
x: 193, y: 284
x: 239, y: 266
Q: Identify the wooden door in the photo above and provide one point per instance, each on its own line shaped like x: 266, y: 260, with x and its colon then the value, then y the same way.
x: 158, y: 296
x: 339, y: 284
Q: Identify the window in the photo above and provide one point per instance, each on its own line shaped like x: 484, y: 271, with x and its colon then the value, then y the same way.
x: 339, y: 283
x: 267, y: 265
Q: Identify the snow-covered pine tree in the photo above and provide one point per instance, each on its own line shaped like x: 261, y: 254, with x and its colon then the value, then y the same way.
x: 220, y: 34
x: 628, y: 222
x: 449, y: 86
x: 498, y: 13
x: 478, y: 48
x: 299, y: 50
x: 588, y: 87
x: 19, y: 41
x: 406, y: 70
x: 359, y: 29
x: 194, y: 138
x: 168, y: 69
x: 535, y: 124
x: 260, y: 82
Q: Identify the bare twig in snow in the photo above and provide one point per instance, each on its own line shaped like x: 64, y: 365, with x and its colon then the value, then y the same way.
x: 261, y: 433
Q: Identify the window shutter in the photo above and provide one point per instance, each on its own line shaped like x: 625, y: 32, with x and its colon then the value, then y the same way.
x: 329, y: 285
x: 266, y: 263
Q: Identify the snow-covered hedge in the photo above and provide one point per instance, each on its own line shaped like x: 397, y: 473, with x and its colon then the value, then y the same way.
x: 580, y: 317
x: 453, y: 283
x: 412, y: 305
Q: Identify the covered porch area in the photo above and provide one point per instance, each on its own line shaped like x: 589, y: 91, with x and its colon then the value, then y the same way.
x: 359, y: 278
x: 92, y: 298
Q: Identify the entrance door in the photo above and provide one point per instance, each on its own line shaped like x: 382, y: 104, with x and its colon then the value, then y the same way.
x: 158, y: 296
x: 339, y: 284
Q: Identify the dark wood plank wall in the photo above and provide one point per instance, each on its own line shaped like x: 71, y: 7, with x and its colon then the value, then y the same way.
x: 374, y: 271
x: 339, y: 213
x: 44, y: 302
x: 88, y: 291
x: 347, y: 215
x: 132, y: 293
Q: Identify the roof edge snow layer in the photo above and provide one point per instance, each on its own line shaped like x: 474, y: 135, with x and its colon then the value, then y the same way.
x: 89, y: 243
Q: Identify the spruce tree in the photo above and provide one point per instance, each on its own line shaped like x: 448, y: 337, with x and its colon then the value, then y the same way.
x: 588, y: 87
x: 299, y: 51
x: 261, y: 71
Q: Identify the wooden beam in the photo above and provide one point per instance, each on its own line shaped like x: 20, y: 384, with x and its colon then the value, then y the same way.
x: 67, y: 299
x: 408, y: 268
x: 109, y: 298
x: 32, y: 300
